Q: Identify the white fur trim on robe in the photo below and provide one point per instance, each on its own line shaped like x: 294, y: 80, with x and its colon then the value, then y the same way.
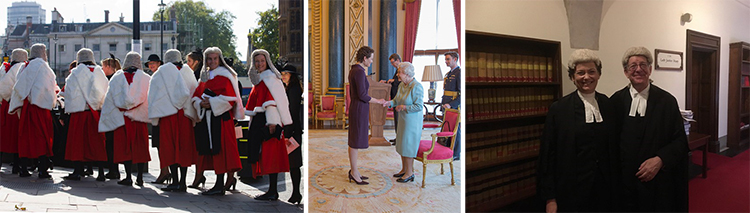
x: 8, y: 79
x: 189, y: 78
x: 280, y: 113
x: 167, y: 93
x: 85, y: 88
x: 221, y: 103
x: 37, y: 83
x: 133, y: 97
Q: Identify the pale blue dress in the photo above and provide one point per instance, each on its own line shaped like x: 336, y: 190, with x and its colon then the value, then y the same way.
x: 410, y: 120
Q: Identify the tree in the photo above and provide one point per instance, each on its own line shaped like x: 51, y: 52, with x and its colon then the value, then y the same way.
x: 200, y: 27
x: 266, y: 36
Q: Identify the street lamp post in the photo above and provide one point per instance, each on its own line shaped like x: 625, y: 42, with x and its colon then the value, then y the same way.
x: 161, y: 27
x: 173, y: 47
x: 57, y: 71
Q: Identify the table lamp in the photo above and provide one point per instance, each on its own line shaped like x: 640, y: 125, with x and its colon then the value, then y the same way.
x: 432, y: 74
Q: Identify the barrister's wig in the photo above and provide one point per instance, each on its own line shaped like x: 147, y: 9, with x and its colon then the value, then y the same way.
x: 38, y: 51
x: 406, y: 68
x: 253, y: 73
x: 583, y: 56
x: 85, y: 55
x: 19, y: 55
x: 132, y: 59
x: 204, y: 71
x: 636, y: 51
x: 172, y: 55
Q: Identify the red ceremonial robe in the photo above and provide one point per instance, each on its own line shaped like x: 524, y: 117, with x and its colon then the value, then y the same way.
x: 273, y: 156
x: 228, y: 158
x: 34, y: 95
x: 8, y: 122
x: 128, y: 100
x: 85, y: 142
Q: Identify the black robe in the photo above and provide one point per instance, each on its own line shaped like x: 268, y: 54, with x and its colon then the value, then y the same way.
x: 294, y: 95
x: 576, y: 158
x: 659, y: 133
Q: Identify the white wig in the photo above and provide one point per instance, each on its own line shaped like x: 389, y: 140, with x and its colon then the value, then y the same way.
x: 253, y: 73
x: 582, y: 56
x: 204, y: 71
x: 38, y: 51
x: 172, y: 55
x: 85, y: 55
x: 636, y: 51
x: 132, y: 59
x: 19, y: 55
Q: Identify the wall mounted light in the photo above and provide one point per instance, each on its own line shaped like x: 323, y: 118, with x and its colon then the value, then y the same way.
x: 686, y: 18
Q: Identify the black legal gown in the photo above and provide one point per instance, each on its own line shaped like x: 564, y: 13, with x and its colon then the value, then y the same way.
x: 576, y: 157
x: 659, y: 133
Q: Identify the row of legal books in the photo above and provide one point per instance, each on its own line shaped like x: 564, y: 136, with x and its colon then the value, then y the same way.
x: 496, y: 67
x: 495, y: 103
x: 502, y: 184
x: 505, y: 144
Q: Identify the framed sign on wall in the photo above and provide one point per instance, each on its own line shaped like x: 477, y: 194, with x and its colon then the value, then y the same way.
x: 668, y: 60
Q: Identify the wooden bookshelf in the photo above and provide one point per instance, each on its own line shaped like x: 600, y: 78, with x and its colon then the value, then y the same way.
x: 739, y: 95
x: 510, y: 83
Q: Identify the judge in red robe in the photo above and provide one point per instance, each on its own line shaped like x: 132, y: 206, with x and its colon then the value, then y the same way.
x: 268, y: 108
x: 33, y: 97
x: 172, y: 111
x: 9, y: 123
x: 125, y: 111
x: 217, y: 101
x: 84, y: 93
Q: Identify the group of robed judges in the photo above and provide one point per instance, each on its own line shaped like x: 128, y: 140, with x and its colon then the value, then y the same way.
x: 193, y: 114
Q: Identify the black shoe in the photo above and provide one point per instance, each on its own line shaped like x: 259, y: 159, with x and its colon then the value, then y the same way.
x: 139, y: 182
x: 296, y: 198
x: 171, y: 187
x: 72, y: 177
x: 101, y: 178
x: 214, y: 191
x: 399, y: 175
x: 45, y: 176
x: 268, y: 196
x: 401, y: 180
x: 24, y: 174
x: 126, y: 182
x: 112, y: 175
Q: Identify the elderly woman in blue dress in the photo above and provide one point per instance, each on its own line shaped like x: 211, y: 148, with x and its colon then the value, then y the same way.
x: 409, y: 104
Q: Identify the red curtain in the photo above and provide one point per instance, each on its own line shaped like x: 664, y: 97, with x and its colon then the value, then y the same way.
x: 457, y: 13
x: 410, y: 31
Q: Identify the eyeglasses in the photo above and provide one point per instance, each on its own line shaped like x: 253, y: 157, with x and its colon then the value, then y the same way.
x: 633, y: 67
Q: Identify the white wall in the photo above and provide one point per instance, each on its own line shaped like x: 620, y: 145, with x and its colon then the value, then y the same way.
x: 652, y: 24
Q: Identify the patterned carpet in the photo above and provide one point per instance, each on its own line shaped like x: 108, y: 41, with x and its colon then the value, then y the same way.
x: 330, y: 190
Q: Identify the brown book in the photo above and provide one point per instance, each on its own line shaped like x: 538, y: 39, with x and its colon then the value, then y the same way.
x: 505, y: 71
x: 482, y: 67
x: 490, y: 68
x: 550, y: 72
x: 471, y: 106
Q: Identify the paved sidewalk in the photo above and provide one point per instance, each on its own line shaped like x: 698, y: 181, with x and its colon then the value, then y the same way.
x: 89, y: 195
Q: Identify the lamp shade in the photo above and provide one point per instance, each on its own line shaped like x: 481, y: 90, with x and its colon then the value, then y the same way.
x: 432, y: 73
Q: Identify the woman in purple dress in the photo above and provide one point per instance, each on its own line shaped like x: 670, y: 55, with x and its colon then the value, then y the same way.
x: 359, y: 110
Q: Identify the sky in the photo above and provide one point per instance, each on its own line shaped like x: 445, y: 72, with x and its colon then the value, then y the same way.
x: 80, y: 10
